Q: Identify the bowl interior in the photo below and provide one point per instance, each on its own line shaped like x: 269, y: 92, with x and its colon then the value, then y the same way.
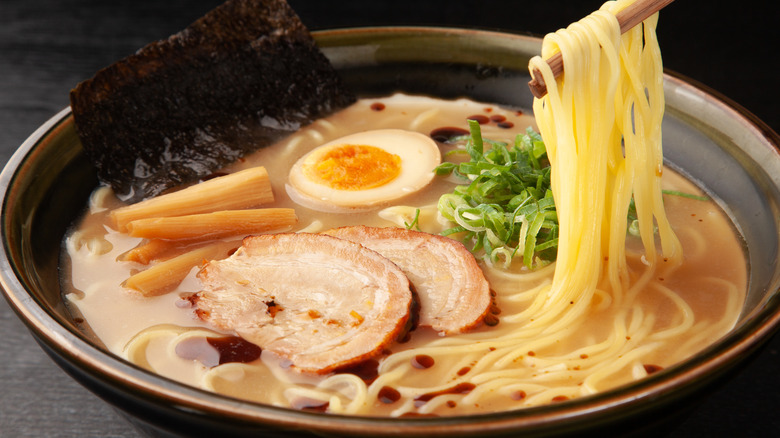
x: 735, y: 158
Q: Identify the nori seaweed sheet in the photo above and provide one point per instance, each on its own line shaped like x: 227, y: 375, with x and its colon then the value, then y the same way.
x: 240, y: 78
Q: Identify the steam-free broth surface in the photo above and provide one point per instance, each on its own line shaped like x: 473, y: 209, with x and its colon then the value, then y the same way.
x: 506, y: 366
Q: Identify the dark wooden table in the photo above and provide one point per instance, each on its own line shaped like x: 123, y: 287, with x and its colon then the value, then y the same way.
x: 47, y: 46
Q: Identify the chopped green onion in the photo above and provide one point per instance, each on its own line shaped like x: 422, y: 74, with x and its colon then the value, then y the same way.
x: 633, y: 220
x: 685, y: 195
x: 506, y: 209
x: 414, y: 223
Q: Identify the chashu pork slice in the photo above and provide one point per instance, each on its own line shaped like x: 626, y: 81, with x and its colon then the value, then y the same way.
x: 319, y: 302
x: 453, y: 293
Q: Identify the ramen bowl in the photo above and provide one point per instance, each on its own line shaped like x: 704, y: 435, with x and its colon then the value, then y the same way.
x: 47, y: 182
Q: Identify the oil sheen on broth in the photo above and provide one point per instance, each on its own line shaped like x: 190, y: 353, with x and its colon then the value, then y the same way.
x: 676, y: 314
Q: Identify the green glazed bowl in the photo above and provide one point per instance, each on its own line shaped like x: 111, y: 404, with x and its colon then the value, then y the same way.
x: 46, y: 184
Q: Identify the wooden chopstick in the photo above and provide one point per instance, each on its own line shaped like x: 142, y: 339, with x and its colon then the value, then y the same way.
x: 628, y: 17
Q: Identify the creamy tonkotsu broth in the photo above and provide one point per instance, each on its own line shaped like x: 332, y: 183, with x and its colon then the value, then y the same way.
x: 657, y: 323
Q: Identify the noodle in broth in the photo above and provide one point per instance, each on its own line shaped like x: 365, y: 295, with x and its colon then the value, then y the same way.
x: 661, y: 319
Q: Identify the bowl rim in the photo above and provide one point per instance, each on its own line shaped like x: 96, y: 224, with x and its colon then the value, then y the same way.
x: 704, y: 367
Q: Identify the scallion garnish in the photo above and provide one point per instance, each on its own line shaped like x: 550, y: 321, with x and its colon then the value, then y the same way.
x: 633, y: 221
x: 415, y: 223
x: 507, y: 208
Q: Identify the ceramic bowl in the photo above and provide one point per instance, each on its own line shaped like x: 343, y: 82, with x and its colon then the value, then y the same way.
x: 46, y: 183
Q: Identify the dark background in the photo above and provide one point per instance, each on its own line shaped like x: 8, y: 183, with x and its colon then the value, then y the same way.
x: 48, y: 46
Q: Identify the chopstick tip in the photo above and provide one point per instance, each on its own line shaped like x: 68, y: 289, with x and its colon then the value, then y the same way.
x: 537, y: 85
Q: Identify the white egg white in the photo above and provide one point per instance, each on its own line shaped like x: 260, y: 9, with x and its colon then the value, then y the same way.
x: 419, y: 156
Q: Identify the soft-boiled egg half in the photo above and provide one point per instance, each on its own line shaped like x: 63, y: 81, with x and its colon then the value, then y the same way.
x: 364, y: 170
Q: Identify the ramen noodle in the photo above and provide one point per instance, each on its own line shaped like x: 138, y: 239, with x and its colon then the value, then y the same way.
x: 602, y: 129
x: 610, y: 312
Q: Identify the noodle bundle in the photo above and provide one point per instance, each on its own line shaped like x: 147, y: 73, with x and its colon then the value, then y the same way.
x: 602, y: 128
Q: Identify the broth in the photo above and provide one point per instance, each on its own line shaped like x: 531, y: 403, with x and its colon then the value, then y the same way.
x: 675, y: 314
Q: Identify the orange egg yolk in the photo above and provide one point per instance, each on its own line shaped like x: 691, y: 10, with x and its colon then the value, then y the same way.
x: 354, y: 167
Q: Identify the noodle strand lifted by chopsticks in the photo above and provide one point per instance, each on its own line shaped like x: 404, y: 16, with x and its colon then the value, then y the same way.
x: 602, y: 128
